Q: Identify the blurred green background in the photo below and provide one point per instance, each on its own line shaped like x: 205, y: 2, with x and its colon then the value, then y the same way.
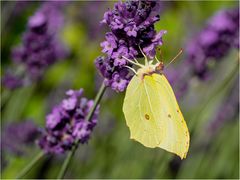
x: 110, y: 153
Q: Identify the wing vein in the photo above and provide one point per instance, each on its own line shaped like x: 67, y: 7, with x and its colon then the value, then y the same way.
x: 158, y: 141
x: 139, y: 110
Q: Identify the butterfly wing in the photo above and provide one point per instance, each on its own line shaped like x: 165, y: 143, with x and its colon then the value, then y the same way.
x: 139, y: 116
x: 153, y: 115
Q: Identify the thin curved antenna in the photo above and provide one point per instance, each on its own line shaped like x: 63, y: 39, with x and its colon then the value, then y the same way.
x: 179, y: 53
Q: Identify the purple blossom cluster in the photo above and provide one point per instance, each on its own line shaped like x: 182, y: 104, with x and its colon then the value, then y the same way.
x: 16, y: 136
x: 132, y: 26
x: 11, y: 81
x: 214, y: 41
x: 228, y: 111
x: 41, y: 46
x: 67, y: 124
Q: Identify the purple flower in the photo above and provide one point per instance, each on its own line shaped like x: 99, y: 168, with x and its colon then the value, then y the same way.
x: 16, y: 136
x: 82, y: 131
x: 150, y: 50
x: 41, y: 46
x: 221, y: 22
x: 132, y: 25
x: 53, y: 119
x: 37, y: 20
x: 131, y: 29
x: 11, y: 81
x: 119, y: 83
x: 214, y: 41
x: 208, y: 37
x: 67, y: 124
x: 69, y: 104
x: 109, y: 45
x: 116, y: 24
x: 118, y: 56
x: 158, y: 37
x: 156, y: 41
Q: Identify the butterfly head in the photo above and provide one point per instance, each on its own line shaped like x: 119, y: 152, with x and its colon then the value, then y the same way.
x: 149, y: 68
x: 159, y: 67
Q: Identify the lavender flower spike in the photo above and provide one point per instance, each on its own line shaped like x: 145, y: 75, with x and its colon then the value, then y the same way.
x: 66, y: 123
x: 11, y: 81
x: 214, y: 41
x: 132, y: 25
x: 41, y: 46
x: 16, y: 136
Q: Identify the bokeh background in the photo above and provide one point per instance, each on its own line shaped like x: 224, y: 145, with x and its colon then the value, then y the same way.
x: 214, y: 146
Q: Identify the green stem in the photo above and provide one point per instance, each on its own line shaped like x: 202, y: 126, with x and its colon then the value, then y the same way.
x: 88, y: 118
x: 30, y: 165
x: 67, y: 161
x: 7, y: 12
x: 5, y: 96
x: 96, y: 102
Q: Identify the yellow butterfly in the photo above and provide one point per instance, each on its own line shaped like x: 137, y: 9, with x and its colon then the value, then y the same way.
x: 152, y: 112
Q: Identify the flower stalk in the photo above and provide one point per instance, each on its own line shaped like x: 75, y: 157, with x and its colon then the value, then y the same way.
x: 30, y: 165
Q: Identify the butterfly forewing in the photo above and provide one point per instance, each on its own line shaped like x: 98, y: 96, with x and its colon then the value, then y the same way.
x: 153, y: 115
x: 139, y: 115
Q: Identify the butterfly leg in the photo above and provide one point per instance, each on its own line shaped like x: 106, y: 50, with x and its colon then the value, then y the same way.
x: 131, y: 69
x: 157, y: 59
x: 135, y: 63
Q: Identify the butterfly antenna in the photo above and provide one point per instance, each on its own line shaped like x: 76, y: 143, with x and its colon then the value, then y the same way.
x: 146, y: 61
x: 179, y: 53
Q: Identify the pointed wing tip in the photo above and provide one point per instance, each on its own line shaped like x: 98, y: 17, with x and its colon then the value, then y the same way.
x: 183, y: 156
